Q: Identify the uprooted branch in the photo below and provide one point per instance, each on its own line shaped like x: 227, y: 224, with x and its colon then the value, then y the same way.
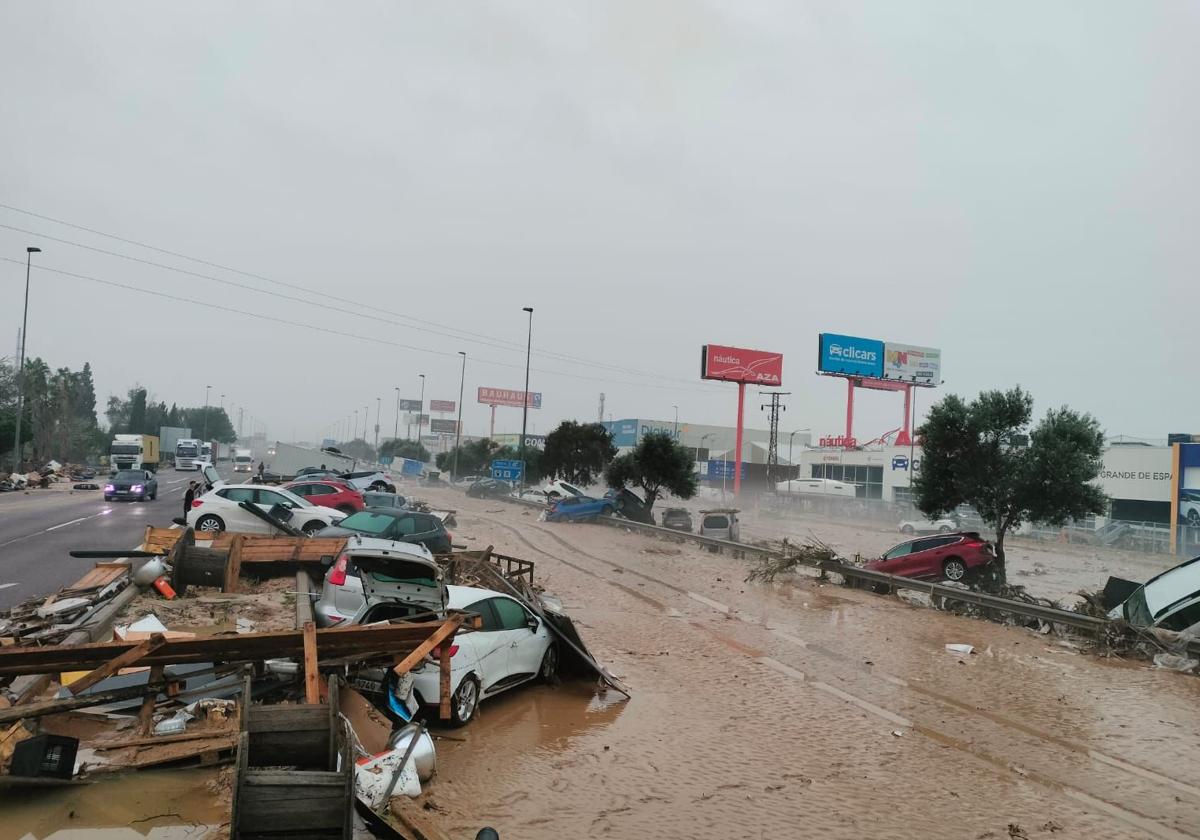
x: 810, y: 553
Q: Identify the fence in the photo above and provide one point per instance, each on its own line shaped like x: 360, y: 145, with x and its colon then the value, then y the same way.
x: 1128, y: 535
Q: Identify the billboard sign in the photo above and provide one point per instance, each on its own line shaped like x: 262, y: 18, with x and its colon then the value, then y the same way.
x: 737, y: 364
x: 507, y: 470
x: 443, y: 427
x: 918, y: 365
x: 442, y: 405
x: 535, y: 441
x: 723, y: 469
x: 849, y: 355
x: 507, y: 396
x: 410, y: 405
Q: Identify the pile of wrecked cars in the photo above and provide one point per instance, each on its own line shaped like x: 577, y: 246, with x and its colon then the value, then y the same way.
x: 327, y: 706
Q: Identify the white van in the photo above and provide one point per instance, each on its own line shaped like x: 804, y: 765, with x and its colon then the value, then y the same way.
x: 816, y: 486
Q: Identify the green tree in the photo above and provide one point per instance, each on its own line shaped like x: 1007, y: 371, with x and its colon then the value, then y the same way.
x: 474, y: 457
x: 358, y: 448
x: 976, y: 454
x: 398, y: 448
x: 137, y: 413
x: 578, y: 452
x: 658, y: 465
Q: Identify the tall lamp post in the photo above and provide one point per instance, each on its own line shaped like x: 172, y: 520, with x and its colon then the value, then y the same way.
x: 791, y: 463
x: 396, y: 432
x: 378, y: 408
x: 458, y: 427
x: 421, y: 409
x: 676, y: 421
x: 525, y: 399
x: 204, y: 436
x: 29, y: 252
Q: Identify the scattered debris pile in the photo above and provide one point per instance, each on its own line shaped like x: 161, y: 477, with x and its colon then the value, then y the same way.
x: 809, y: 554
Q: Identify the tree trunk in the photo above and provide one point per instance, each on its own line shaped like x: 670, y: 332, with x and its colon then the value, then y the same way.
x: 1000, y: 573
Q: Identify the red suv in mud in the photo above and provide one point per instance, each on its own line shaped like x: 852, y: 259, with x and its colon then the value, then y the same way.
x: 329, y: 493
x: 941, y: 557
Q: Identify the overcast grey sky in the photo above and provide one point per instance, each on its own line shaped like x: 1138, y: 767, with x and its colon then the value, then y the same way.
x: 1015, y: 183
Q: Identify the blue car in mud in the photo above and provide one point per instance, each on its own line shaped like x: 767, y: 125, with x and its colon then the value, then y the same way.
x: 579, y: 509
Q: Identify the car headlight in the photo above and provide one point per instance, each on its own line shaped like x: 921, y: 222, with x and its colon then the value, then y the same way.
x: 108, y: 488
x: 137, y: 488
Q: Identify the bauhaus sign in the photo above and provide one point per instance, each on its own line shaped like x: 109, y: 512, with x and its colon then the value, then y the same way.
x: 506, y: 396
x: 737, y: 364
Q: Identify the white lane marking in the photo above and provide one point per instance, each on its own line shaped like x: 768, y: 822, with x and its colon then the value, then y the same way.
x: 796, y: 640
x: 716, y: 605
x: 865, y: 705
x: 65, y: 524
x: 179, y: 481
x: 7, y: 585
x: 1146, y: 824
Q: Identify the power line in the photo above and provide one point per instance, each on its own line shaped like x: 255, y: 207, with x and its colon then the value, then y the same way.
x: 331, y: 331
x: 419, y: 324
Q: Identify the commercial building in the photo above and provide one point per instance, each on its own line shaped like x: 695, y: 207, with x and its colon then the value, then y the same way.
x: 1136, y: 478
x: 707, y: 441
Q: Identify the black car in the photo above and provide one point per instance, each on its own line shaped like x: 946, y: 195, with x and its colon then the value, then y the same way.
x: 131, y: 484
x: 375, y: 499
x: 678, y: 519
x: 395, y: 524
x: 630, y: 505
x: 489, y: 488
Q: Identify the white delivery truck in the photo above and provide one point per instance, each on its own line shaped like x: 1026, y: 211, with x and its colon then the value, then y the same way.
x: 187, y: 454
x: 243, y: 460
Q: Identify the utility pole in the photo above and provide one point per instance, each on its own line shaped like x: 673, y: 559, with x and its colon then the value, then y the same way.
x: 204, y: 437
x: 378, y: 408
x: 421, y: 408
x: 29, y: 252
x: 525, y: 399
x: 600, y: 416
x: 241, y: 412
x: 773, y: 446
x: 458, y: 428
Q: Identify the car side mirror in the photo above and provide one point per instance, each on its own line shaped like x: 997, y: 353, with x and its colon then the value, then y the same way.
x: 532, y: 623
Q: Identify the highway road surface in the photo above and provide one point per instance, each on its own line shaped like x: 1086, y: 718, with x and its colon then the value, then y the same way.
x: 39, y: 528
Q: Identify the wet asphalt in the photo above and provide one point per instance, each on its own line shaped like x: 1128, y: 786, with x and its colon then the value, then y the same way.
x: 38, y: 529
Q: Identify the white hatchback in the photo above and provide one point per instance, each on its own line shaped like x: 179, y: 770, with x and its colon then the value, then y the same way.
x: 513, y: 647
x: 220, y: 510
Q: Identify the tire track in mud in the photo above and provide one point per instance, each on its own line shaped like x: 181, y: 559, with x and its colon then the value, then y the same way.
x: 1142, y: 822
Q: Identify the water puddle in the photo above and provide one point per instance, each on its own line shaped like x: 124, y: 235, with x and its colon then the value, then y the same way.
x: 160, y: 805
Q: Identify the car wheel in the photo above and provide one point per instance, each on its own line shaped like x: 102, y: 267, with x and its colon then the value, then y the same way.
x: 379, y: 487
x: 1193, y: 517
x: 907, y: 529
x: 311, y: 528
x: 210, y: 524
x: 142, y: 497
x: 954, y: 569
x: 549, y: 670
x: 154, y: 496
x: 606, y: 510
x: 945, y: 529
x: 465, y: 701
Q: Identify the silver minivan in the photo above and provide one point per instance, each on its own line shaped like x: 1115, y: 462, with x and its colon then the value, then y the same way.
x: 721, y: 523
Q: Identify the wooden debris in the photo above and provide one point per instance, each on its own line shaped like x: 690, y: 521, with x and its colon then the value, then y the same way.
x: 115, y: 664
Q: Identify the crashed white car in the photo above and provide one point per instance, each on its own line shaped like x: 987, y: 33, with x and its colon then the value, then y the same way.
x: 928, y: 526
x: 220, y: 510
x: 1170, y: 600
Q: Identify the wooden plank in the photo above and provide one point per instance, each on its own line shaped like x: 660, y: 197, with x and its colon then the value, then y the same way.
x: 146, y: 712
x: 155, y: 740
x: 444, y: 683
x: 415, y: 823
x: 303, y: 749
x: 233, y: 565
x: 288, y: 717
x: 446, y: 630
x: 115, y: 664
x: 53, y: 707
x: 286, y: 778
x: 383, y: 639
x: 304, y: 604
x: 312, y: 685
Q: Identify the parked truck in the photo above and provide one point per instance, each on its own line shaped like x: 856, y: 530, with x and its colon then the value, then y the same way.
x: 134, y: 452
x: 168, y: 439
x: 243, y: 460
x: 187, y: 454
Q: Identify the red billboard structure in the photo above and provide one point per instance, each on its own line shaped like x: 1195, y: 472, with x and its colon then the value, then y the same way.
x: 740, y: 365
x: 507, y: 396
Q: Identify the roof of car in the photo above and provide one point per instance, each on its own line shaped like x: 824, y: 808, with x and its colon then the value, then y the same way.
x: 372, y: 545
x: 463, y: 596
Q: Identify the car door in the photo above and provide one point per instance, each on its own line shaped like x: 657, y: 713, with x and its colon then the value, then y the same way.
x: 892, y: 560
x: 526, y: 645
x: 302, y: 490
x: 923, y: 560
x: 490, y: 646
x: 235, y: 518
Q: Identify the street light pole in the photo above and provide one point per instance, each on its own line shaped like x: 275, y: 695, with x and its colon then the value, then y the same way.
x: 29, y: 252
x: 204, y: 436
x: 396, y: 431
x: 525, y: 399
x: 676, y: 421
x: 458, y: 428
x: 791, y: 463
x: 421, y: 409
x: 378, y: 408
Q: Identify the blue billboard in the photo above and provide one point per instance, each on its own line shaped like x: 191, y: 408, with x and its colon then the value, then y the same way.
x: 850, y: 355
x: 508, y: 470
x: 723, y: 469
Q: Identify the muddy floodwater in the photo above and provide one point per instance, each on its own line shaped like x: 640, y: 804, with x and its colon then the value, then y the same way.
x: 804, y: 709
x: 152, y: 805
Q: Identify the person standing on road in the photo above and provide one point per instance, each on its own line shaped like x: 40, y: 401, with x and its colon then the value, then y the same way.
x: 188, y: 497
x: 260, y: 470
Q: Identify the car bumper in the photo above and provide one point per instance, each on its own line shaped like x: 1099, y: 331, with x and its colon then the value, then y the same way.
x: 327, y: 615
x: 127, y: 494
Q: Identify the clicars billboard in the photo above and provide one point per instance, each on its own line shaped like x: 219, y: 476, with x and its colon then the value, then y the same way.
x: 737, y: 364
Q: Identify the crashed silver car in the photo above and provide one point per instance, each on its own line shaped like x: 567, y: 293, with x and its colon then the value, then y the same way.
x: 1170, y: 600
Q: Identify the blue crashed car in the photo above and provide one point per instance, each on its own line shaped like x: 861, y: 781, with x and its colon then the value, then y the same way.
x: 579, y: 508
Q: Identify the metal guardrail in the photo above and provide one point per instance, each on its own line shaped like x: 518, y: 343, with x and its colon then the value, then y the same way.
x: 1051, y: 615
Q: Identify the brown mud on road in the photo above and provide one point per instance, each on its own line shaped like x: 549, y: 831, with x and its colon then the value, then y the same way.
x: 806, y: 710
x: 151, y: 805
